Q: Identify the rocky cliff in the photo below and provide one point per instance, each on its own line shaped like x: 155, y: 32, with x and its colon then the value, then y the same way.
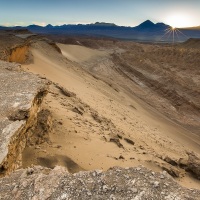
x: 21, y: 94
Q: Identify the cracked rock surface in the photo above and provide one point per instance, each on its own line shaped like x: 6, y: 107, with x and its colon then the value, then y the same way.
x: 20, y: 96
x: 116, y: 183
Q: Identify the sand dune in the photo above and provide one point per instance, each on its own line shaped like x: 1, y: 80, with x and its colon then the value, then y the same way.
x: 90, y: 127
x: 79, y: 53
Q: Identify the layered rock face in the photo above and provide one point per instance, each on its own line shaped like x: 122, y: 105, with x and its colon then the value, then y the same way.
x: 13, y: 48
x: 21, y: 94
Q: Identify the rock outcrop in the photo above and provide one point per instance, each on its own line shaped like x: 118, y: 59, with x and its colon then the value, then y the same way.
x: 21, y: 94
x: 19, y: 54
x: 117, y: 183
x: 13, y: 48
x: 194, y: 164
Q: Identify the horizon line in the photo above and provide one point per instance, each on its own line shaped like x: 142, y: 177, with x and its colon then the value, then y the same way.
x: 43, y: 24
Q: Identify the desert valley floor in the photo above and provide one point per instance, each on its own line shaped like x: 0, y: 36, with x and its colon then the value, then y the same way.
x: 113, y: 103
x: 118, y: 103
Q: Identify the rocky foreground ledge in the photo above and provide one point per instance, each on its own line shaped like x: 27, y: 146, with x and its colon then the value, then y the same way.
x: 21, y: 94
x: 117, y: 183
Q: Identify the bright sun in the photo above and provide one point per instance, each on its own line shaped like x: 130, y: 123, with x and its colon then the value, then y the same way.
x: 178, y: 20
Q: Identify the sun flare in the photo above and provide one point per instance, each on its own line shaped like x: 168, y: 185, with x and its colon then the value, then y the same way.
x: 173, y: 34
x: 178, y: 20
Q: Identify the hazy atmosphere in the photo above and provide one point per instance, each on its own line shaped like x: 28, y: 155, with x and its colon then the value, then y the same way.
x: 178, y: 13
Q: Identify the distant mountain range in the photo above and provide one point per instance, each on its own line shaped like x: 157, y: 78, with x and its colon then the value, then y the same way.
x: 146, y: 31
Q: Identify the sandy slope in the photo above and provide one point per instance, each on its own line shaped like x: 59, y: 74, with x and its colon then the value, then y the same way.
x: 79, y: 53
x: 82, y: 141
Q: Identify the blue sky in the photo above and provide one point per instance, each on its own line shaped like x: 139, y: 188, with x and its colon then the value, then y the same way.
x: 178, y: 13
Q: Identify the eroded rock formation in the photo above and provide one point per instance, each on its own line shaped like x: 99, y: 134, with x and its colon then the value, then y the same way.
x: 21, y: 94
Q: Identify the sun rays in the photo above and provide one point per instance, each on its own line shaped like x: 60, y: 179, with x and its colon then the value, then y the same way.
x: 173, y: 34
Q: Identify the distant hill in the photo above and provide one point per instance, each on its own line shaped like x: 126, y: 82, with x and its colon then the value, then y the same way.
x: 103, y: 24
x: 192, y: 28
x: 150, y: 26
x: 2, y: 27
x: 192, y: 43
x: 146, y: 24
x: 146, y: 31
